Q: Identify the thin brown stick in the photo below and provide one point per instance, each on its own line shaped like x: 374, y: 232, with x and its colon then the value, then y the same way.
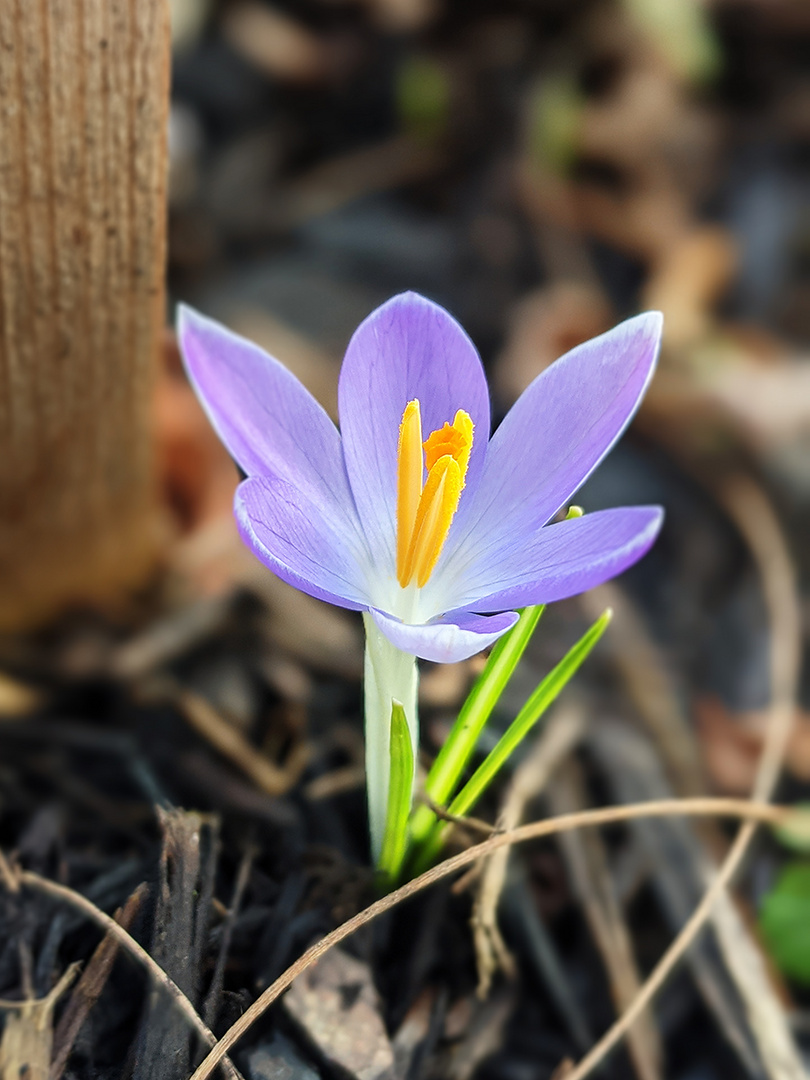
x: 232, y: 744
x: 119, y: 934
x: 90, y: 986
x: 465, y: 824
x: 551, y: 748
x: 7, y: 875
x: 211, y: 1004
x: 755, y: 518
x: 743, y: 954
x: 588, y: 869
x: 734, y: 808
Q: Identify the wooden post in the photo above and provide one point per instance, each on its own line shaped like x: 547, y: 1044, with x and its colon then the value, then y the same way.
x: 84, y: 91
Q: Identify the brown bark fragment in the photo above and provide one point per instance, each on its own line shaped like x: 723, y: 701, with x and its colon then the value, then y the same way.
x: 83, y: 109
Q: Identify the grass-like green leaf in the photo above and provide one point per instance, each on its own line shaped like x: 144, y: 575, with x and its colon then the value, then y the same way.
x: 400, y: 787
x: 545, y: 694
x: 459, y: 747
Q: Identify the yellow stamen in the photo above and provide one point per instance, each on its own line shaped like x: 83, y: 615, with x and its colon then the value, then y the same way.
x: 409, y: 480
x: 424, y: 515
x: 437, y: 508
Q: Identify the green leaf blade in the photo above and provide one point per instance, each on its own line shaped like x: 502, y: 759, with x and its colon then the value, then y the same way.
x: 460, y: 745
x: 544, y: 695
x: 400, y: 791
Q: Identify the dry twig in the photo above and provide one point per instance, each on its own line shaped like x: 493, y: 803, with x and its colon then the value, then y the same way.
x: 735, y: 808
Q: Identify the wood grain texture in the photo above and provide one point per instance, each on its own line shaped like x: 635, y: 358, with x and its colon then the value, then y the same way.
x: 84, y: 90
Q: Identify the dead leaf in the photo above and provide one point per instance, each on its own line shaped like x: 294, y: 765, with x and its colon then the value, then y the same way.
x: 278, y: 45
x: 543, y: 326
x: 17, y: 698
x: 403, y: 16
x: 25, y: 1049
x: 689, y: 278
x: 735, y: 387
x: 336, y: 1003
x: 732, y: 744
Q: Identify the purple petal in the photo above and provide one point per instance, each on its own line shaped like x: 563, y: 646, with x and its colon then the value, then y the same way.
x: 445, y: 641
x: 557, y: 433
x: 301, y: 541
x: 408, y: 348
x: 267, y: 419
x: 561, y: 560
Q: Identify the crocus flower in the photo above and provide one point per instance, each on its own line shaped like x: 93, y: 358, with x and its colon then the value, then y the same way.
x: 410, y: 512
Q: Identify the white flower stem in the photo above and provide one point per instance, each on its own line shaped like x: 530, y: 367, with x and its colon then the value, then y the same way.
x: 390, y: 675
